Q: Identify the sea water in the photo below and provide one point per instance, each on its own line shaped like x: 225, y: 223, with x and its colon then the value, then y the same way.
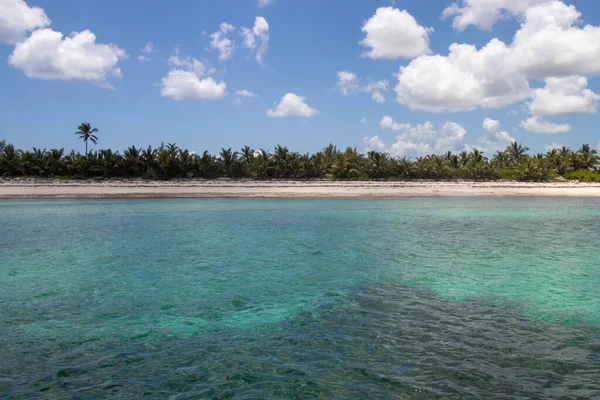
x: 300, y: 298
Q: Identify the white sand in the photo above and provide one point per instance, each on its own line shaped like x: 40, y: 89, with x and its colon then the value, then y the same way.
x: 15, y: 188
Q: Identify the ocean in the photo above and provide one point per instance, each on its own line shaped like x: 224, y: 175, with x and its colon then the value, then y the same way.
x: 300, y: 298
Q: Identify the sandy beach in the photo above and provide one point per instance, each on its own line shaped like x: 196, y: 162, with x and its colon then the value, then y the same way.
x: 51, y: 188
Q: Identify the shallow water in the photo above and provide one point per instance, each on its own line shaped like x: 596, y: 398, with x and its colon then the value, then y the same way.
x: 341, y: 298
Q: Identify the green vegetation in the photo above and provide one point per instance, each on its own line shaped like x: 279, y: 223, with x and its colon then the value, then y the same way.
x: 583, y: 176
x: 169, y: 162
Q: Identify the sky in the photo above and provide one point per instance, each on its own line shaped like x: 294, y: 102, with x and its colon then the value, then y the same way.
x: 408, y: 77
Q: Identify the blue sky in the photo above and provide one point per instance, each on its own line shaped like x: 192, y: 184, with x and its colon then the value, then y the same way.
x: 310, y: 42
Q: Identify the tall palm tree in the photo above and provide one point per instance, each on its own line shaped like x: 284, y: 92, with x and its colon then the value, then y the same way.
x: 85, y: 133
x: 588, y: 157
x: 10, y: 161
x: 247, y: 154
x: 516, y: 152
x: 227, y: 160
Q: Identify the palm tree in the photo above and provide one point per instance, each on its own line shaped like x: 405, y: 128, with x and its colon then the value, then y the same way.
x: 10, y: 161
x: 149, y: 160
x: 500, y: 158
x: 588, y: 158
x: 85, y: 133
x: 281, y: 159
x: 132, y: 161
x: 263, y: 165
x: 227, y: 161
x: 378, y: 164
x: 516, y: 152
x: 464, y: 158
x: 247, y: 154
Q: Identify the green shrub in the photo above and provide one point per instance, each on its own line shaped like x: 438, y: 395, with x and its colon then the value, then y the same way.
x: 583, y: 176
x: 509, y: 174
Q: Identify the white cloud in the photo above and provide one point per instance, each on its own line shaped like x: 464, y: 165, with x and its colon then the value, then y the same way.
x: 484, y: 14
x: 149, y: 48
x: 222, y: 44
x: 183, y: 85
x: 257, y: 38
x: 419, y: 140
x: 17, y: 18
x: 550, y: 43
x: 392, y: 34
x: 187, y: 63
x: 146, y: 51
x: 378, y: 97
x: 264, y: 3
x: 451, y: 137
x: 564, y: 96
x: 245, y: 93
x: 363, y: 120
x: 538, y: 125
x: 348, y: 83
x: 464, y: 80
x: 553, y: 146
x: 388, y: 123
x: 186, y: 80
x: 494, y: 139
x: 292, y: 105
x: 47, y: 55
x: 491, y: 125
x: 375, y: 144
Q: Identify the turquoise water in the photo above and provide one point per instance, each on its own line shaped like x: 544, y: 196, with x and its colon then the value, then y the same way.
x: 302, y: 298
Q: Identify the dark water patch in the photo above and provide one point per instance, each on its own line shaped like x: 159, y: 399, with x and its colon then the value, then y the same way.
x: 383, y: 341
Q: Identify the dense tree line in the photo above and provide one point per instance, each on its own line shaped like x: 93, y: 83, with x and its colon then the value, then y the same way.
x: 170, y: 162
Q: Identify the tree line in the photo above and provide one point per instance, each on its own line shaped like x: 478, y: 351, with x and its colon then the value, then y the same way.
x: 171, y: 162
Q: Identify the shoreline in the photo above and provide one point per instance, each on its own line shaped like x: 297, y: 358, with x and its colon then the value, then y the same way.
x: 53, y: 188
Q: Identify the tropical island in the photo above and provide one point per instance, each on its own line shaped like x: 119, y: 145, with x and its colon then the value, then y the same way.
x: 170, y: 167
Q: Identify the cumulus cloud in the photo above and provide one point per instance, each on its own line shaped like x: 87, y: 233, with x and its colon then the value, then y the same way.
x: 464, y: 80
x: 223, y: 45
x: 257, y: 38
x: 388, y: 122
x: 378, y: 97
x: 348, y: 84
x: 186, y: 63
x: 554, y: 146
x: 17, y: 18
x: 363, y: 120
x: 550, y: 43
x: 538, y: 125
x: 183, y: 85
x: 187, y: 81
x: 292, y: 105
x: 392, y: 34
x: 484, y: 14
x: 494, y: 139
x: 46, y: 54
x: 245, y: 93
x: 418, y: 140
x: 562, y: 96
